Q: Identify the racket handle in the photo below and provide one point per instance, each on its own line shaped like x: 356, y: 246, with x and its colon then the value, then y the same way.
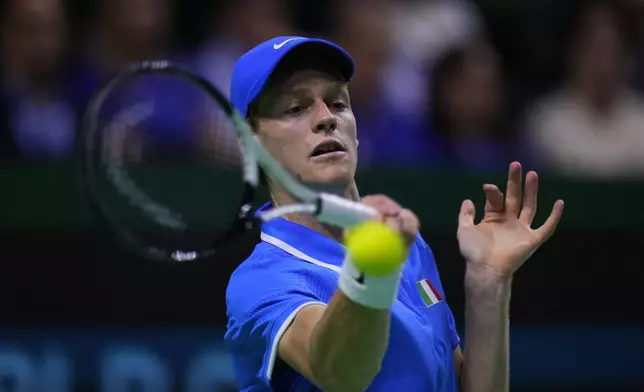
x: 338, y: 211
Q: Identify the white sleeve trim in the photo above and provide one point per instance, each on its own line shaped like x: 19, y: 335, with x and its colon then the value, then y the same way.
x: 280, y: 332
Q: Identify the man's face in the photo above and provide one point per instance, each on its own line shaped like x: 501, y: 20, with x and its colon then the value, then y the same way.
x: 307, y: 124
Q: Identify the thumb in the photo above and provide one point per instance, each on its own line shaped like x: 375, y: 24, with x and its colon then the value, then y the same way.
x: 466, y: 216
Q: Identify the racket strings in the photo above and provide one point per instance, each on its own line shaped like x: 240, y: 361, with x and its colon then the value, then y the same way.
x: 167, y: 166
x: 218, y: 139
x: 122, y: 141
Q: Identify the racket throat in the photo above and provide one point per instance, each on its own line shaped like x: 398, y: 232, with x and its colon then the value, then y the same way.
x: 338, y: 211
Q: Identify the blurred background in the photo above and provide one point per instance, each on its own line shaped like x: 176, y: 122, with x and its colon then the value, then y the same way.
x: 447, y: 93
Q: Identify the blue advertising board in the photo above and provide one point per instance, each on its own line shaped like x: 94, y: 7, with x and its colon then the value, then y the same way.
x: 196, y: 360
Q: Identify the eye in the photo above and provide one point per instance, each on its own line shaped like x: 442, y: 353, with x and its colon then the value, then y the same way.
x: 339, y: 105
x: 295, y: 110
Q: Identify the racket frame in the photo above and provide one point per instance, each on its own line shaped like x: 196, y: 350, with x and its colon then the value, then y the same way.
x: 325, y: 207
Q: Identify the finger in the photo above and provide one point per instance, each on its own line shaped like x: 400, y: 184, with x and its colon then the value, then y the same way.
x: 493, y: 199
x: 548, y: 228
x: 466, y: 216
x: 513, y: 193
x: 410, y: 222
x: 409, y: 225
x: 529, y: 208
x: 394, y: 222
x: 383, y: 204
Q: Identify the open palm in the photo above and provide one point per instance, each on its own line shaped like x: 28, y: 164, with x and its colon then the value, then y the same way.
x: 504, y: 239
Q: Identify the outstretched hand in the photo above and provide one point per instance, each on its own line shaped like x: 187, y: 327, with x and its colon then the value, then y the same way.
x: 505, y: 239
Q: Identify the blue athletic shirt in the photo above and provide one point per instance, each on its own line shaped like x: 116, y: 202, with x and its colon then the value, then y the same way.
x: 294, y: 266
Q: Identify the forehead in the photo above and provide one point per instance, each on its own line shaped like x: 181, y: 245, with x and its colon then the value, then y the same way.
x: 302, y: 80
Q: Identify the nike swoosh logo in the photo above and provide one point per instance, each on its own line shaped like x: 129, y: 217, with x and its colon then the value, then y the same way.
x: 277, y: 46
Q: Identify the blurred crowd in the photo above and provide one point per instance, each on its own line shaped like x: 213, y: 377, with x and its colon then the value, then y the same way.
x: 440, y: 84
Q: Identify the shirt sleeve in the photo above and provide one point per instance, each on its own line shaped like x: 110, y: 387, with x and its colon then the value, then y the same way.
x: 429, y: 265
x: 262, y: 301
x: 456, y: 339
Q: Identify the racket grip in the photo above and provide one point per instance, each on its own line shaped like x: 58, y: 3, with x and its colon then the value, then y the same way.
x: 338, y: 211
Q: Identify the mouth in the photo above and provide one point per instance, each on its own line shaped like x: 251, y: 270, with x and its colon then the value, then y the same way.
x: 328, y: 148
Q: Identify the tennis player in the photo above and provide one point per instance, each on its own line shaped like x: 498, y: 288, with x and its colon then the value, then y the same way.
x: 300, y: 318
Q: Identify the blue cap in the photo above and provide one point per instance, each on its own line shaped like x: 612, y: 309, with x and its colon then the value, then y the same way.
x: 254, y: 68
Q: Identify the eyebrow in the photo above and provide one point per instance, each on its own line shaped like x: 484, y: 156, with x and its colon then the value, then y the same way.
x: 290, y: 90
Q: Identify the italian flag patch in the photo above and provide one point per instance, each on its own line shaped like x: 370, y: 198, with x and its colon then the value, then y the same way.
x: 428, y: 293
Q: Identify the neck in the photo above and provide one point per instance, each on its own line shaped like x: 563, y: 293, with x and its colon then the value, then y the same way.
x: 350, y: 192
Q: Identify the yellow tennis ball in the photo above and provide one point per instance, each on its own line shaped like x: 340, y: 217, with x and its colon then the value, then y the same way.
x: 375, y: 248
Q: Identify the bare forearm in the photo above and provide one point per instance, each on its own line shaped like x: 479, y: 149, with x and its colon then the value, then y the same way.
x: 348, y: 345
x: 486, y: 356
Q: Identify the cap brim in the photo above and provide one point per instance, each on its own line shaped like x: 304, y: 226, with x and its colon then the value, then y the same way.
x: 320, y: 47
x: 334, y: 56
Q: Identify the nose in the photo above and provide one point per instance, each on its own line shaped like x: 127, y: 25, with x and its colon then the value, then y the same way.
x: 324, y: 120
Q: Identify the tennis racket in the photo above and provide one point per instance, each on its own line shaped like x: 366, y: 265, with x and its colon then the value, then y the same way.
x: 173, y: 169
